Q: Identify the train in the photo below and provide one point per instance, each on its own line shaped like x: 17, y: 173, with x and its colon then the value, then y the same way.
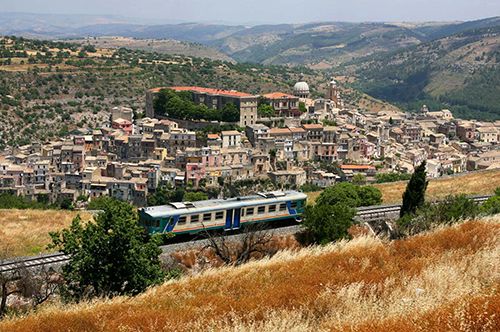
x: 227, y: 214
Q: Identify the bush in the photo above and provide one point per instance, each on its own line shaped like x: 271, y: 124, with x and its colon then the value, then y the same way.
x: 350, y: 195
x: 492, y: 205
x: 448, y: 211
x: 9, y: 201
x: 309, y: 187
x: 391, y: 177
x: 111, y: 256
x: 327, y: 223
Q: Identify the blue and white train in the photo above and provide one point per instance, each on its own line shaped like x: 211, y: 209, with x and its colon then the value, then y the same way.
x: 227, y: 214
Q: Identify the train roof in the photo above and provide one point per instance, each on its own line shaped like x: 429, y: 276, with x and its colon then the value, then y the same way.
x: 221, y: 204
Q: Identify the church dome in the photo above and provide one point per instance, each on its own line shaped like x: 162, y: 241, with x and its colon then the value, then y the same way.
x: 301, y: 88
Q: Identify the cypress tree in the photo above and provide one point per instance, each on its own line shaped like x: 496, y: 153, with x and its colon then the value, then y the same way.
x: 414, y: 195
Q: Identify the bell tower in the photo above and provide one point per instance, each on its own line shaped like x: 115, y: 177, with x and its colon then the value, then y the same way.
x: 334, y: 93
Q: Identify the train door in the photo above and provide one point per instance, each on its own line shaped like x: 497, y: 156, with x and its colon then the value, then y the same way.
x: 237, y: 215
x: 229, y: 220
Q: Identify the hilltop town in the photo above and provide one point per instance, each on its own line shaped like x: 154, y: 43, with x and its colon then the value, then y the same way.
x: 301, y: 143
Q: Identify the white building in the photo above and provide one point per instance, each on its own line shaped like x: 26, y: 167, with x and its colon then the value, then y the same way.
x: 231, y: 139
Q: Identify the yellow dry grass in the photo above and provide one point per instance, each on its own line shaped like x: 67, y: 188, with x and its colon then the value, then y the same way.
x: 477, y: 183
x: 446, y: 280
x: 26, y: 232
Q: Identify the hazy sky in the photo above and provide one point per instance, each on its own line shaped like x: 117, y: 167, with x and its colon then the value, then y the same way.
x: 267, y: 11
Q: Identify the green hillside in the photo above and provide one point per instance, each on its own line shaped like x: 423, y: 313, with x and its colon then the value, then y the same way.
x: 48, y: 89
x: 460, y: 72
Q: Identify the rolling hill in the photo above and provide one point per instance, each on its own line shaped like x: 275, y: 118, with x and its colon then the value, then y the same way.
x: 166, y: 46
x: 48, y: 89
x: 320, y: 44
x: 460, y: 72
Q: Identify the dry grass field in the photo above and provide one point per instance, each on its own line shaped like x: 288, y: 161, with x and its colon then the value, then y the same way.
x: 477, y: 183
x: 25, y: 232
x: 446, y: 280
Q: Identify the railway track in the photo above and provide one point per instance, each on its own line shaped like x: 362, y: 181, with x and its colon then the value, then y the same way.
x: 368, y: 213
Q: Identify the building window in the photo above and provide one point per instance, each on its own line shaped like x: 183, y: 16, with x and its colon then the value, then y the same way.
x: 182, y: 220
x: 195, y: 218
x: 219, y: 215
x: 207, y: 217
x: 261, y: 210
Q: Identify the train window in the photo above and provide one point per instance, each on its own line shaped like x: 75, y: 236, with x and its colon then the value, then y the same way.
x: 182, y: 220
x: 207, y: 217
x: 250, y: 211
x: 294, y: 205
x: 261, y: 210
x: 283, y: 207
x: 195, y: 218
x: 219, y: 215
x: 272, y: 208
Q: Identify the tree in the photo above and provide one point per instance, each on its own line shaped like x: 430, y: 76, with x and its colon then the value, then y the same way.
x: 302, y: 107
x: 255, y: 240
x: 265, y: 111
x: 492, y: 205
x: 414, y: 195
x: 230, y: 113
x: 164, y: 195
x: 327, y: 223
x: 344, y: 193
x: 109, y: 256
x: 448, y: 211
x: 193, y: 196
x: 369, y: 195
x: 350, y: 195
x: 359, y: 179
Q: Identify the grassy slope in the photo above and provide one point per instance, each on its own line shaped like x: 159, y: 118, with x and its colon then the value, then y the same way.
x: 167, y: 46
x: 440, y: 281
x: 460, y: 71
x: 80, y: 92
x: 477, y: 183
x: 25, y: 232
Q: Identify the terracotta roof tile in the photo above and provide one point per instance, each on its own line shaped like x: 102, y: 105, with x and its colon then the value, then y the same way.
x: 279, y: 95
x: 230, y: 93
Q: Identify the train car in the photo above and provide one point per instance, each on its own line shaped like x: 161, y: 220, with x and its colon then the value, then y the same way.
x: 227, y: 214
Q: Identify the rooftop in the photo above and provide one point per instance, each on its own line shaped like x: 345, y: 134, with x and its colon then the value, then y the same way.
x: 230, y: 133
x: 357, y: 167
x: 278, y: 95
x: 279, y: 131
x: 312, y: 126
x: 229, y: 93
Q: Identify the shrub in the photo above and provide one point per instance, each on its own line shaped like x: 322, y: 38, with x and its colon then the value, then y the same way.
x: 350, y: 195
x: 492, y: 205
x: 111, y: 256
x: 327, y: 223
x: 448, y: 211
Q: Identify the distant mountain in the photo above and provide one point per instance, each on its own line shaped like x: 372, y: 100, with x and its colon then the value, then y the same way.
x: 461, y: 71
x: 50, y: 25
x: 166, y: 46
x: 318, y: 45
x: 327, y: 44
